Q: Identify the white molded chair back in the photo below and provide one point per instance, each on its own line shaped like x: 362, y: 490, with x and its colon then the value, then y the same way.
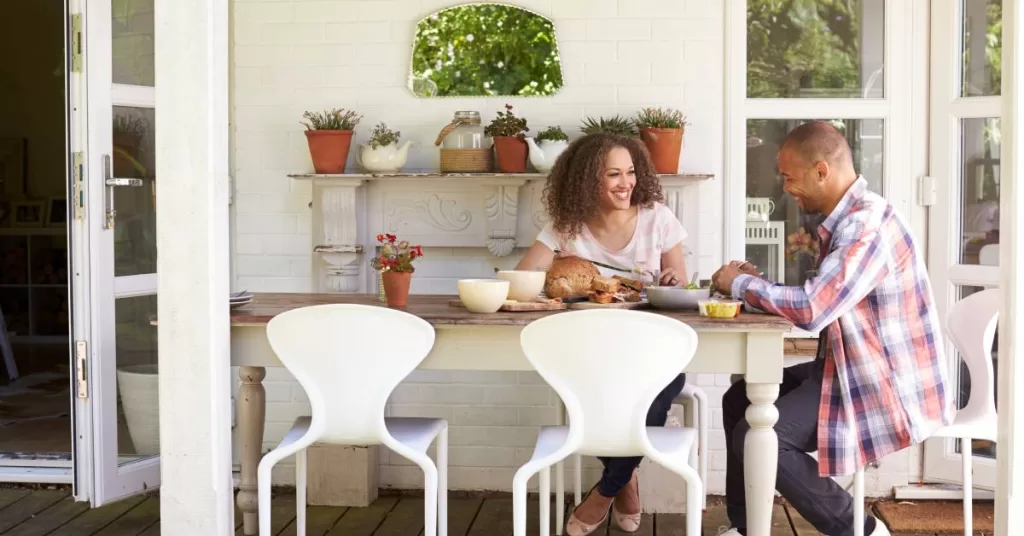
x: 349, y: 358
x: 971, y: 325
x: 608, y: 365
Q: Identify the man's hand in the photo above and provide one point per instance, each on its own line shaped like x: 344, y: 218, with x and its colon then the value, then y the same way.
x: 725, y: 276
x: 748, y: 268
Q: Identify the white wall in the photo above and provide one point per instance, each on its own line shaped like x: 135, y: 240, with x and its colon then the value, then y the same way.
x: 617, y: 55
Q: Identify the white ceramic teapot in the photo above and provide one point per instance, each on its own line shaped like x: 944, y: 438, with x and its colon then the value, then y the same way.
x: 383, y: 159
x: 544, y: 154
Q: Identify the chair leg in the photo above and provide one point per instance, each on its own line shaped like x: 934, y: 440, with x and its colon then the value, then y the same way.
x: 966, y: 453
x: 263, y: 472
x: 300, y: 493
x: 519, y: 483
x: 703, y: 422
x: 544, y: 512
x: 442, y: 482
x: 578, y: 490
x: 430, y: 489
x: 694, y: 492
x: 858, y: 503
x: 559, y: 497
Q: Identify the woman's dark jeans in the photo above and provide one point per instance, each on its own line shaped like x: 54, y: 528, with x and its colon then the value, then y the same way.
x: 619, y: 471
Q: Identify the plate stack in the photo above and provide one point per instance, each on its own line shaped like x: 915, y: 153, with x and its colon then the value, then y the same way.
x: 240, y: 299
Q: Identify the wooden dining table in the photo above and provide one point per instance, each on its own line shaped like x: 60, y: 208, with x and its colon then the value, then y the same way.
x: 750, y: 345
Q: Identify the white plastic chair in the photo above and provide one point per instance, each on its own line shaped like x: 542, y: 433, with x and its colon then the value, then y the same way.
x: 695, y: 401
x: 971, y: 326
x: 608, y: 366
x: 349, y: 358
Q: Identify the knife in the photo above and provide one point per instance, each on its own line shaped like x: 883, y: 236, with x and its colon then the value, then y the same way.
x: 603, y: 265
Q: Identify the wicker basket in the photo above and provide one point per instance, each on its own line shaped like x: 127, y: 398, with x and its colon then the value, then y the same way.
x: 467, y: 160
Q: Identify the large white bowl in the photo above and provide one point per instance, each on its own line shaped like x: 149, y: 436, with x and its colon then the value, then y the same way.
x: 676, y: 297
x: 524, y: 285
x: 483, y: 295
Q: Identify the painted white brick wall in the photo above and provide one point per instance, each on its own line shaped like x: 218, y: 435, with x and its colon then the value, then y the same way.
x: 292, y: 56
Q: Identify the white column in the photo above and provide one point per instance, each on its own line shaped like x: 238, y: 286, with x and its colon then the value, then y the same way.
x: 193, y: 265
x: 1010, y: 500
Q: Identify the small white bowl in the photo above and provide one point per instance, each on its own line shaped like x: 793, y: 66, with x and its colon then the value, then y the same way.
x: 524, y: 285
x: 483, y: 295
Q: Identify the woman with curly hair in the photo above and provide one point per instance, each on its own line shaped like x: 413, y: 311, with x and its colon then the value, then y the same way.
x: 606, y: 205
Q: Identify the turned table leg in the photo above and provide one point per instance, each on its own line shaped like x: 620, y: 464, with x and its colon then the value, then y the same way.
x: 252, y: 408
x: 760, y: 456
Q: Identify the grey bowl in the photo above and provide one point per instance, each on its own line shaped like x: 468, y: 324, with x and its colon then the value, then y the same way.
x: 676, y: 297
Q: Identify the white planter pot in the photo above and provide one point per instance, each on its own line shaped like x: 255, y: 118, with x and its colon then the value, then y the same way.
x: 139, y: 386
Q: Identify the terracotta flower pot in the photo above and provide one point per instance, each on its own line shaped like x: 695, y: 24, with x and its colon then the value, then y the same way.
x: 510, y: 152
x: 396, y: 288
x: 329, y: 149
x: 664, y: 144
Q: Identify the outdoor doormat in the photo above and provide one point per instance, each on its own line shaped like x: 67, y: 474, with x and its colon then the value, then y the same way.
x: 935, y: 517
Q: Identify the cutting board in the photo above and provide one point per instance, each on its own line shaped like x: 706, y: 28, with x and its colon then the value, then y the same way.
x: 519, y: 307
x: 615, y: 305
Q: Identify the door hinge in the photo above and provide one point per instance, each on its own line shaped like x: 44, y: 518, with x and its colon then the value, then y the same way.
x: 82, y: 383
x: 77, y: 186
x: 926, y: 193
x: 76, y: 42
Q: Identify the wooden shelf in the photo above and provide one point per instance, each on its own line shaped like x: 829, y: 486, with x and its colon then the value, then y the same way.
x: 469, y: 176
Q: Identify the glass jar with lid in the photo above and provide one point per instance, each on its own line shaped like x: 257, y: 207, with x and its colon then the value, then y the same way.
x: 464, y: 146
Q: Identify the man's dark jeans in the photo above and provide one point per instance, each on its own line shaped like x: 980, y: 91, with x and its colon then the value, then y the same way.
x: 618, y: 471
x: 821, y: 501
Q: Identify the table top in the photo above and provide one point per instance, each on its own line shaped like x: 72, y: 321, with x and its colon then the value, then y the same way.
x: 437, y: 311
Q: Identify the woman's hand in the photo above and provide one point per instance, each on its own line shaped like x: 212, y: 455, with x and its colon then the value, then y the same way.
x: 669, y: 277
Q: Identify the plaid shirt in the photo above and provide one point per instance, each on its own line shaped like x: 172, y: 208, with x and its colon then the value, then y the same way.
x: 884, y: 386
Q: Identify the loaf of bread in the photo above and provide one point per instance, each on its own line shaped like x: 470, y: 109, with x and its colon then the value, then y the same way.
x: 569, y: 277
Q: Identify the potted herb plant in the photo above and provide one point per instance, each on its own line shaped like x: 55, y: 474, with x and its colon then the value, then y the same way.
x: 383, y: 154
x: 620, y: 126
x: 509, y: 134
x: 545, y: 150
x: 394, y: 262
x: 661, y: 130
x: 329, y: 134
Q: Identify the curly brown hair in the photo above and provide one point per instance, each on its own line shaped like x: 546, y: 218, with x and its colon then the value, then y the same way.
x: 573, y: 191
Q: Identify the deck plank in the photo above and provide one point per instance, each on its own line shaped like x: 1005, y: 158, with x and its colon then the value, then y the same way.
x: 9, y: 496
x: 714, y: 517
x: 92, y: 521
x: 461, y: 514
x: 319, y: 520
x: 364, y: 521
x: 136, y: 520
x: 405, y: 519
x: 24, y: 509
x: 282, y: 513
x: 50, y: 519
x: 495, y: 517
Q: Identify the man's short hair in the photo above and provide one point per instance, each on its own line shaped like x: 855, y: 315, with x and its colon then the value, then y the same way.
x: 819, y: 140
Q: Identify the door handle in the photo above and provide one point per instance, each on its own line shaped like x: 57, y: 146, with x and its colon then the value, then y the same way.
x: 110, y: 183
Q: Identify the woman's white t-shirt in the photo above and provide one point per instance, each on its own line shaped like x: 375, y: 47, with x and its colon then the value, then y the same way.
x: 657, y: 231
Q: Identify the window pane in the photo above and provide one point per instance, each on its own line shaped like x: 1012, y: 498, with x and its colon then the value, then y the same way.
x: 986, y: 449
x: 979, y: 191
x: 132, y: 47
x: 982, y: 47
x: 135, y: 218
x: 138, y: 430
x: 823, y: 48
x: 785, y: 247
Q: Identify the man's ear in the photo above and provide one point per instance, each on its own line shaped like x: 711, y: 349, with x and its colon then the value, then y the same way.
x: 823, y: 169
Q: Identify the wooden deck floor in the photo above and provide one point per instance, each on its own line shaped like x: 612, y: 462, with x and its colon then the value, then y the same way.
x: 25, y: 512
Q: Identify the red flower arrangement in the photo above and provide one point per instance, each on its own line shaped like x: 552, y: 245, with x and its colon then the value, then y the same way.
x: 801, y: 243
x: 395, y: 256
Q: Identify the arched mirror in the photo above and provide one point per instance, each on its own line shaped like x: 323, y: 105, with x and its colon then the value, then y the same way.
x: 485, y: 50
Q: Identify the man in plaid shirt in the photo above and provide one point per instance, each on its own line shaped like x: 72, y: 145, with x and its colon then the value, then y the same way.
x: 878, y: 384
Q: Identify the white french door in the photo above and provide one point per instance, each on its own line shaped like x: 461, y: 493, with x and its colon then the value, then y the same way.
x: 119, y: 250
x: 963, y: 234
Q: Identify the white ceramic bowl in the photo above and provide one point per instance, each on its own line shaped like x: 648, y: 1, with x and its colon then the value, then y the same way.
x: 676, y: 297
x: 524, y: 285
x: 483, y: 295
